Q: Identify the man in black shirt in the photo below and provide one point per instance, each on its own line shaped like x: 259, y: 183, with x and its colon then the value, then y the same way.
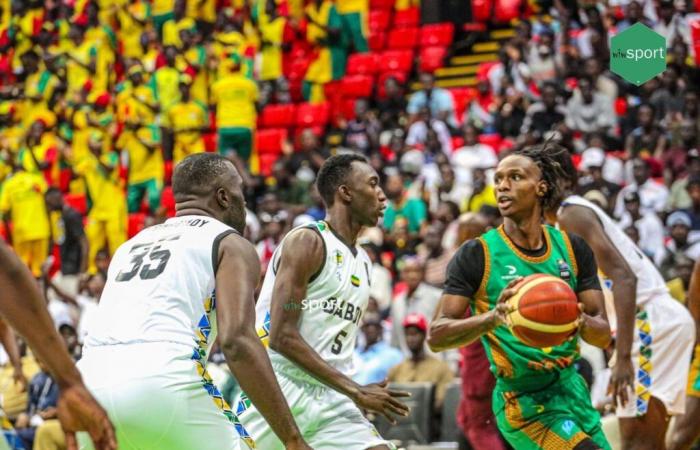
x: 68, y: 233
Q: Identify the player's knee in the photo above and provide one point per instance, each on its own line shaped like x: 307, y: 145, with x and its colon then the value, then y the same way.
x: 587, y: 444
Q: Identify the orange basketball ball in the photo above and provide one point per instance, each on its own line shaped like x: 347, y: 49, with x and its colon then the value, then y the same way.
x: 545, y: 309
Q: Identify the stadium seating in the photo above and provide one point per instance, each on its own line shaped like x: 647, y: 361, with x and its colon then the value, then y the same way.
x: 407, y: 18
x: 379, y: 20
x: 386, y: 5
x: 403, y: 38
x: 437, y: 34
x: 449, y: 431
x: 461, y: 98
x: 363, y: 64
x: 416, y: 426
x: 137, y: 221
x: 77, y: 202
x: 309, y: 114
x: 376, y: 40
x: 278, y: 116
x: 431, y: 58
x: 269, y: 141
x: 357, y: 86
x: 396, y: 61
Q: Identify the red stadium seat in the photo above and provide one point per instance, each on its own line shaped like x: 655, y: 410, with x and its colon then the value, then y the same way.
x: 348, y: 108
x: 275, y: 116
x: 493, y: 140
x: 357, y: 86
x: 362, y: 64
x: 379, y: 20
x: 461, y: 98
x: 482, y: 73
x: 481, y: 10
x: 267, y: 162
x: 167, y: 201
x: 376, y: 40
x: 77, y: 202
x: 406, y: 18
x: 310, y: 114
x: 386, y: 5
x: 137, y: 222
x: 396, y: 61
x: 432, y: 58
x: 269, y: 141
x: 403, y: 38
x: 437, y: 34
x: 457, y: 142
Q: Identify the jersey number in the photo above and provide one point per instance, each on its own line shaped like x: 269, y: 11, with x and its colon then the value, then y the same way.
x: 158, y: 260
x: 337, y: 343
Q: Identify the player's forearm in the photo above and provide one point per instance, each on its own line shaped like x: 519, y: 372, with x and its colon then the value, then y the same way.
x: 251, y: 366
x: 596, y: 331
x: 7, y: 338
x: 292, y: 346
x: 624, y: 293
x: 23, y: 307
x: 446, y: 333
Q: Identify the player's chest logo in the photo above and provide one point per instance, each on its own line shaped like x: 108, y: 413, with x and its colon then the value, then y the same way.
x: 511, y: 272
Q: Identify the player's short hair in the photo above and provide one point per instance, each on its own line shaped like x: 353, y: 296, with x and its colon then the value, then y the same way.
x: 195, y: 174
x: 556, y: 166
x: 334, y: 173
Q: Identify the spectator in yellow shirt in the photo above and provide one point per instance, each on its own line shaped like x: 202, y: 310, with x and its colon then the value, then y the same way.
x: 162, y: 12
x: 235, y: 97
x: 142, y: 146
x: 82, y: 61
x: 165, y: 80
x: 133, y: 17
x: 187, y: 120
x: 179, y: 22
x: 22, y: 202
x: 106, y: 225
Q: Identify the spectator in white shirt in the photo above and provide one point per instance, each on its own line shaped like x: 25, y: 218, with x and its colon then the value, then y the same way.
x: 473, y: 155
x: 652, y: 194
x: 649, y: 226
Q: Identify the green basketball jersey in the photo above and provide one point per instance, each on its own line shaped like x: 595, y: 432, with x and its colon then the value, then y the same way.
x: 513, y: 362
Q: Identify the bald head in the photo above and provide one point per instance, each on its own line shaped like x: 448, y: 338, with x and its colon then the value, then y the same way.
x: 200, y: 174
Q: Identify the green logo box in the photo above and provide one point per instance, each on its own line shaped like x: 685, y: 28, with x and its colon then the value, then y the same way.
x: 638, y: 54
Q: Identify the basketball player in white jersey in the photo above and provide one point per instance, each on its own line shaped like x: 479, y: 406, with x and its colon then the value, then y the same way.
x: 655, y: 333
x: 168, y: 290
x: 308, y: 313
x: 23, y: 307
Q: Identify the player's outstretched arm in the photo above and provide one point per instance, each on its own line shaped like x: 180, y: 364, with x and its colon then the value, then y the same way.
x: 449, y: 329
x: 584, y: 222
x: 694, y: 298
x: 301, y: 257
x: 23, y: 307
x: 237, y: 276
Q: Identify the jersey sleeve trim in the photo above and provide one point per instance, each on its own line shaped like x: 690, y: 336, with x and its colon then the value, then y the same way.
x: 215, y: 248
x: 481, y: 292
x: 325, y: 254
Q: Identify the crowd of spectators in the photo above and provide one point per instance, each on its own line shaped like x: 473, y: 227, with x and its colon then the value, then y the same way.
x: 99, y: 99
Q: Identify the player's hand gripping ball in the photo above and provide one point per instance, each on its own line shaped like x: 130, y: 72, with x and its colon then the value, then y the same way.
x: 544, y: 311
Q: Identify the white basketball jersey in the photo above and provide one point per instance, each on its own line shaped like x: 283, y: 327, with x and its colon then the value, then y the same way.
x: 335, y: 300
x: 650, y: 283
x: 160, y: 286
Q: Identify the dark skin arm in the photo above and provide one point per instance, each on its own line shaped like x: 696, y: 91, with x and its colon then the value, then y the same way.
x: 239, y: 341
x: 7, y: 338
x: 449, y: 329
x: 301, y: 258
x: 694, y: 298
x: 23, y: 307
x: 593, y: 322
x: 584, y: 222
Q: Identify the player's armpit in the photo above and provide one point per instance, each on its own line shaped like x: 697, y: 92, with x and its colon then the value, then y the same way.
x: 594, y: 322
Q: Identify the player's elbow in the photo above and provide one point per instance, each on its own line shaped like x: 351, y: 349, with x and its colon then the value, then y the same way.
x: 281, y: 338
x: 436, y: 337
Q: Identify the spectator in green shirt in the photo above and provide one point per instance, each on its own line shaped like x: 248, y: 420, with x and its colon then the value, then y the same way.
x: 400, y: 204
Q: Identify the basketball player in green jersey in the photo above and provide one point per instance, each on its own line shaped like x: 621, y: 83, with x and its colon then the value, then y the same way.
x: 540, y: 401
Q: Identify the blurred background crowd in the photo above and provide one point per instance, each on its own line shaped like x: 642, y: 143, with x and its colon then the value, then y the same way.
x: 99, y: 99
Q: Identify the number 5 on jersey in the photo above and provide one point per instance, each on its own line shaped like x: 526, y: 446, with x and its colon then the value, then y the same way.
x: 158, y: 260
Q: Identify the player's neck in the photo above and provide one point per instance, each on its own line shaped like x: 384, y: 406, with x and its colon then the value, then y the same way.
x: 343, y: 225
x: 525, y: 233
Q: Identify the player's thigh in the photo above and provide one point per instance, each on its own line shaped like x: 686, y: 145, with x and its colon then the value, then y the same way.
x: 686, y: 428
x: 340, y: 424
x: 647, y: 431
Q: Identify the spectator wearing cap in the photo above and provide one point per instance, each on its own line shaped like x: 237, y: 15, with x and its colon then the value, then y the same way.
x: 678, y: 226
x: 653, y: 195
x: 593, y: 162
x: 590, y: 111
x: 418, y: 365
x: 414, y: 296
x: 187, y: 119
x: 438, y: 101
x: 679, y: 198
x: 375, y: 357
x: 235, y: 98
x: 651, y: 230
x: 693, y: 211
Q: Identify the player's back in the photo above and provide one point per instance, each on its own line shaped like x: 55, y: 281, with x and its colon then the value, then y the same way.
x: 160, y: 286
x: 649, y: 281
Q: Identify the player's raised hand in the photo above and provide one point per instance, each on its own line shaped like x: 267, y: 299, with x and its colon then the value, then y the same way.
x: 376, y: 397
x: 78, y: 411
